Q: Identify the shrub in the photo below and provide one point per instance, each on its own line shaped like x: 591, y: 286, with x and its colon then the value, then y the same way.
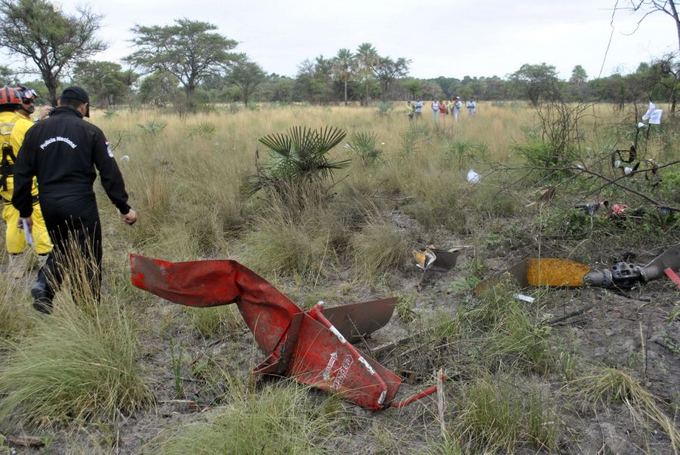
x: 365, y: 145
x: 299, y: 165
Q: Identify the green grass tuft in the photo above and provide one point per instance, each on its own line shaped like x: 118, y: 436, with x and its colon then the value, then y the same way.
x: 497, y: 414
x: 276, y: 419
x: 377, y: 249
x: 216, y: 321
x: 603, y: 386
x: 80, y: 363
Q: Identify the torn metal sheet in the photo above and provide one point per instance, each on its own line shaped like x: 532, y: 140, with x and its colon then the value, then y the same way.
x: 431, y: 258
x: 358, y: 320
x: 306, y: 346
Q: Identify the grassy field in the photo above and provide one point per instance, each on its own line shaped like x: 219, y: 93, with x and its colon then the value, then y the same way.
x: 112, y: 378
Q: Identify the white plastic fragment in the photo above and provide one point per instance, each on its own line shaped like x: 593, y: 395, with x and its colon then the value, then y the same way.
x: 524, y: 298
x: 655, y: 118
x: 473, y: 177
x: 653, y: 114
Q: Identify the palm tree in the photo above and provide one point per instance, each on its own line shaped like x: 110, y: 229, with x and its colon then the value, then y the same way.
x: 300, y: 165
x: 343, y: 67
x: 367, y: 58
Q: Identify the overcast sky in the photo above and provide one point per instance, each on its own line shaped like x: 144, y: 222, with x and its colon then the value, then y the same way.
x: 450, y: 38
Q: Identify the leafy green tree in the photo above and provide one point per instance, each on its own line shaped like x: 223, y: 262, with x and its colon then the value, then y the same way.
x: 314, y: 80
x: 366, y: 58
x: 577, y: 86
x: 52, y: 40
x: 536, y: 82
x: 159, y: 88
x: 387, y: 71
x: 343, y: 68
x: 414, y: 87
x: 189, y: 50
x: 107, y: 82
x: 246, y: 75
x: 278, y: 88
x: 578, y: 75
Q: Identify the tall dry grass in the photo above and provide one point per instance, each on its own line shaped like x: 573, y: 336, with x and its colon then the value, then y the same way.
x: 185, y: 176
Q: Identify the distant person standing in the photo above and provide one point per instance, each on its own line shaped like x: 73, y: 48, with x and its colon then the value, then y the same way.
x: 63, y: 152
x: 435, y: 111
x: 457, y: 106
x: 443, y: 110
x: 471, y: 107
x: 419, y: 108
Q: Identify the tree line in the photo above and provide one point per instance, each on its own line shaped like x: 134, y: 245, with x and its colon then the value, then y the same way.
x: 189, y: 63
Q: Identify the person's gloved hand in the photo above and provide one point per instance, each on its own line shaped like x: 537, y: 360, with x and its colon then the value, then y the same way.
x: 28, y: 221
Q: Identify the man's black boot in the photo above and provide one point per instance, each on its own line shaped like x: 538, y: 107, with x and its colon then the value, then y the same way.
x: 42, y: 294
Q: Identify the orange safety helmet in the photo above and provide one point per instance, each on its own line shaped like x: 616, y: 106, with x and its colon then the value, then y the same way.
x: 26, y: 93
x: 10, y: 97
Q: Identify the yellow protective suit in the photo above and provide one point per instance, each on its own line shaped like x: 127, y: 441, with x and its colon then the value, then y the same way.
x: 13, y: 127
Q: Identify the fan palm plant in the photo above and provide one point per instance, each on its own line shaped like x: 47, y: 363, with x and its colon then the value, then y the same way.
x: 300, y: 166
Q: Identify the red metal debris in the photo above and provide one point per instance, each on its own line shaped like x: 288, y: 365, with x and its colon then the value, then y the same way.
x: 303, y: 345
x: 670, y: 273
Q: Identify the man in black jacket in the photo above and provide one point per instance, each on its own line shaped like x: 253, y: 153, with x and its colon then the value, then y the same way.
x: 63, y: 151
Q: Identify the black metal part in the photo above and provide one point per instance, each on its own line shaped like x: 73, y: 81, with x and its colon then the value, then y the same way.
x: 625, y: 275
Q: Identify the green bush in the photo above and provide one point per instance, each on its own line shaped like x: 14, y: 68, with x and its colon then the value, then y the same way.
x: 365, y: 145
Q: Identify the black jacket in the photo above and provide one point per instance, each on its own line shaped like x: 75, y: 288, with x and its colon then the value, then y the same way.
x: 62, y: 151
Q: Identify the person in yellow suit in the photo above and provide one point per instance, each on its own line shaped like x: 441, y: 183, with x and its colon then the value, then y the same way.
x: 16, y: 105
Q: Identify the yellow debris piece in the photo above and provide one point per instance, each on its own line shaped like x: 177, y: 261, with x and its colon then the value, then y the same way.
x: 556, y: 272
x: 424, y: 258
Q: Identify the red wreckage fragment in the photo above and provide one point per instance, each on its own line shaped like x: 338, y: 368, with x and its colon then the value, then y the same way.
x: 312, y: 347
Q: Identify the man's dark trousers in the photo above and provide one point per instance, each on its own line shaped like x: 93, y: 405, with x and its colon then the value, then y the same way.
x: 75, y: 230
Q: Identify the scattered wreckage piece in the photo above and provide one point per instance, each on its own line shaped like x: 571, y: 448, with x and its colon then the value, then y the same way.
x: 625, y: 275
x: 436, y: 259
x: 553, y: 272
x: 305, y: 346
x: 556, y: 272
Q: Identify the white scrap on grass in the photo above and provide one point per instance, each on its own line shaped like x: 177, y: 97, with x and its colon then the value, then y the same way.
x: 125, y: 158
x: 655, y: 118
x: 653, y: 114
x: 473, y: 177
x: 524, y: 298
